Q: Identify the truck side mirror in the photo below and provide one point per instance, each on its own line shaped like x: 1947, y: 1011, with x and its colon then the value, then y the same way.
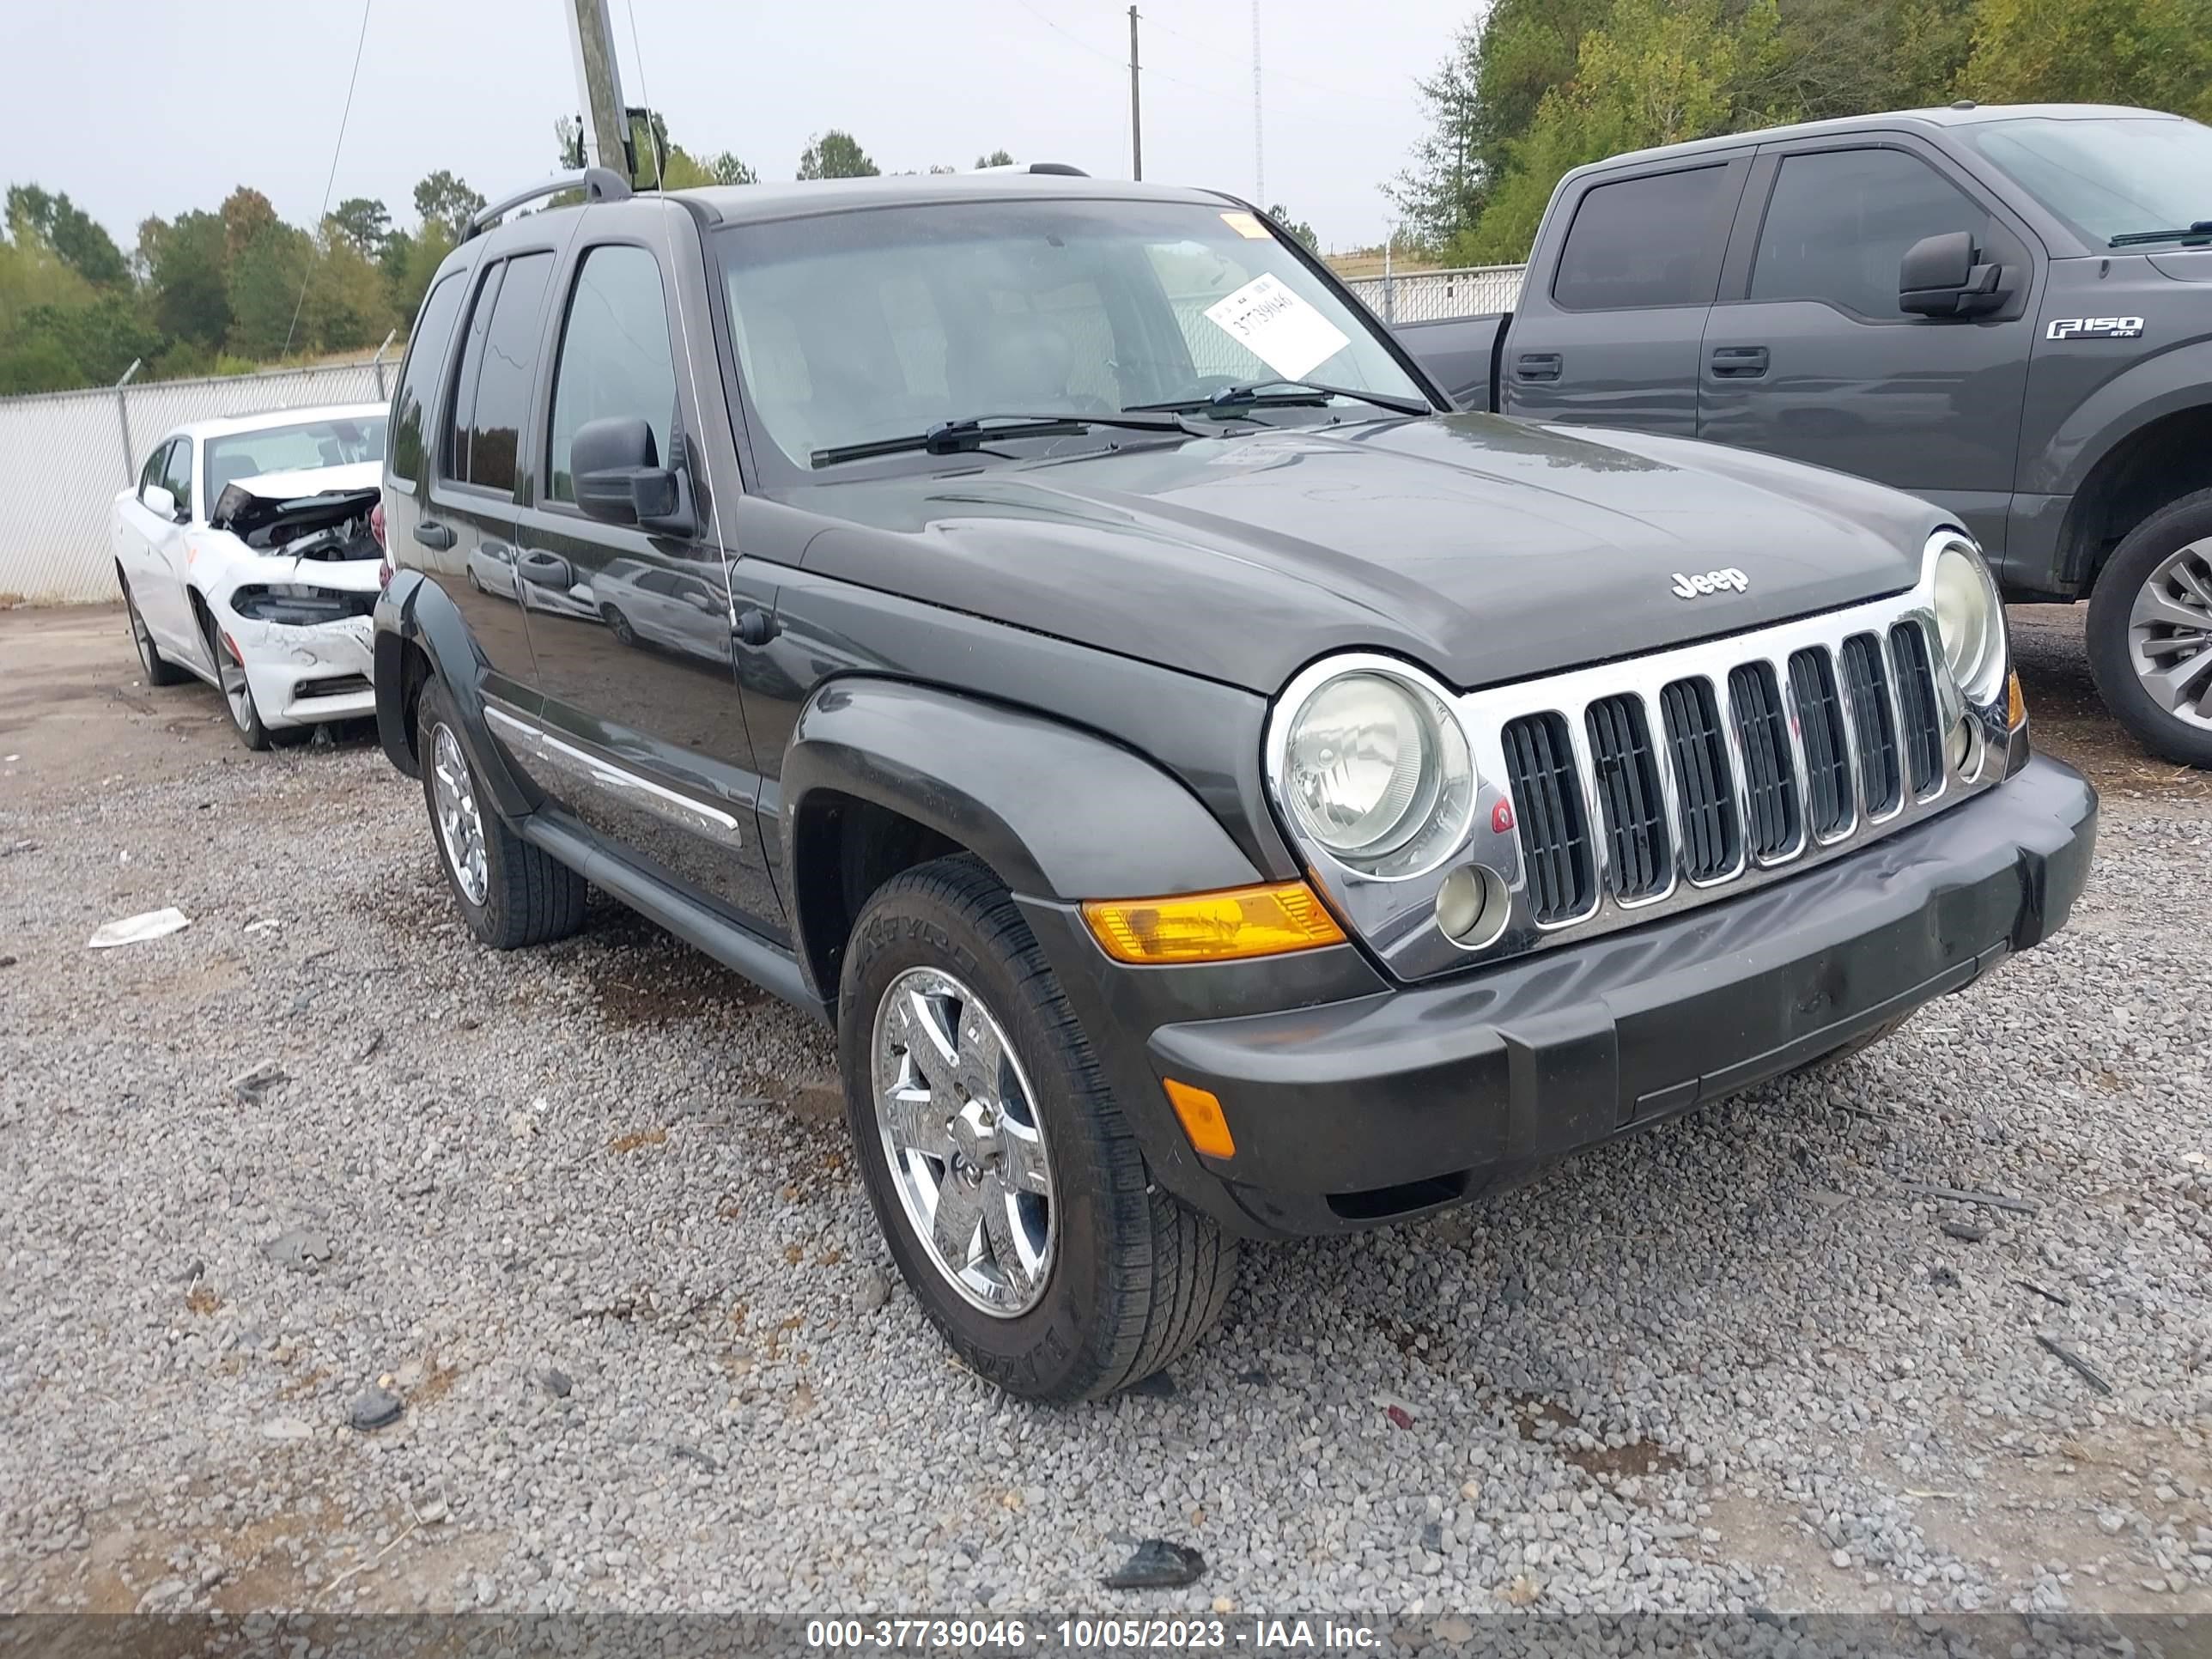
x: 620, y: 480
x: 1944, y: 276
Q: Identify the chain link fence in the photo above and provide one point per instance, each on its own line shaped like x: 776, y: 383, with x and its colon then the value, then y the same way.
x: 65, y: 454
x: 1427, y: 296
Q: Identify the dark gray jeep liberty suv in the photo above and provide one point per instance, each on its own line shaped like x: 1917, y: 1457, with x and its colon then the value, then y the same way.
x: 1048, y: 629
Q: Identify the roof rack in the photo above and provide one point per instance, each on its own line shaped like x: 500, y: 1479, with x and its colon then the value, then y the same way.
x: 597, y: 184
x: 1060, y: 168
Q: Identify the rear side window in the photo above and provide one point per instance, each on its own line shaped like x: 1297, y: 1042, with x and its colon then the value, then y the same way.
x: 178, y: 474
x: 418, y: 380
x: 1840, y: 222
x: 1654, y: 241
x: 491, y: 400
x: 614, y: 360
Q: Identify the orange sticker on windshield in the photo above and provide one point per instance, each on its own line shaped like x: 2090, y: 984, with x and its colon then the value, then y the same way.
x: 1246, y: 225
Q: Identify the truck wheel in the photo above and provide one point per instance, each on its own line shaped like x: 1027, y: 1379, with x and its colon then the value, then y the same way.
x: 512, y: 893
x: 1009, y: 1185
x: 2150, y: 631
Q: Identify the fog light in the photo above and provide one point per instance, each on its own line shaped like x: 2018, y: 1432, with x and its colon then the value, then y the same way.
x: 1963, y: 749
x: 1471, y: 906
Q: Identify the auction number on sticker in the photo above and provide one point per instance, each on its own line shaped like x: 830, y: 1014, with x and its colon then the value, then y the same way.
x: 896, y: 1634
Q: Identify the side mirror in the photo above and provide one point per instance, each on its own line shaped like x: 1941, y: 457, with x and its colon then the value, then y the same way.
x: 1944, y: 276
x: 620, y: 480
x: 157, y: 501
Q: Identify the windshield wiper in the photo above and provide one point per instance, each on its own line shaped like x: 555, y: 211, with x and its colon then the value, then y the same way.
x: 950, y: 437
x: 2200, y: 231
x: 1305, y: 393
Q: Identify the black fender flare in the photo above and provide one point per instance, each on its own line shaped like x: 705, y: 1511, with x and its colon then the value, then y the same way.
x: 1059, y: 811
x: 415, y: 611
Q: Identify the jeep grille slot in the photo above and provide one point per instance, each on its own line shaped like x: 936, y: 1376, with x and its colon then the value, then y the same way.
x: 1770, y: 777
x: 1828, y: 750
x: 1555, y: 843
x: 1873, y: 727
x: 1639, y: 855
x: 1916, y: 702
x: 1712, y: 837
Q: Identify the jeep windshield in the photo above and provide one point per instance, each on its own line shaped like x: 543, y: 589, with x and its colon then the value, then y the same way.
x: 2108, y: 177
x: 861, y: 328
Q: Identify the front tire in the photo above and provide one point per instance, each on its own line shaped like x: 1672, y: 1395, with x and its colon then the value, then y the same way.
x: 2150, y: 631
x: 157, y: 668
x: 510, y: 893
x: 1008, y: 1184
x: 237, y: 689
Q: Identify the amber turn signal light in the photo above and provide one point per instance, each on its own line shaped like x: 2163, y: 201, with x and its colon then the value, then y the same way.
x: 1223, y: 926
x: 1201, y: 1112
x: 2016, y: 702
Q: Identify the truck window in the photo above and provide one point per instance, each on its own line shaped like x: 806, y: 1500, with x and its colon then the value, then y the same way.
x: 1840, y: 222
x: 1652, y: 241
x: 426, y: 357
x: 615, y: 359
x: 485, y: 452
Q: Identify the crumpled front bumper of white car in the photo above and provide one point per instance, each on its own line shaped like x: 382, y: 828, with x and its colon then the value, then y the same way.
x: 300, y: 629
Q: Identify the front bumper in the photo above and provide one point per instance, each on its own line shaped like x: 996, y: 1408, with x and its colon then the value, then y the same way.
x: 1350, y: 1112
x: 304, y: 675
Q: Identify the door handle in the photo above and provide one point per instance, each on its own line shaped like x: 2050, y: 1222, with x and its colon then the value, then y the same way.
x: 545, y: 570
x: 755, y: 627
x: 1536, y: 366
x: 1738, y: 362
x: 431, y: 533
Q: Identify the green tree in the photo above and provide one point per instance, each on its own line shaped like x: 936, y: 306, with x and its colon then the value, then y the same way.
x: 364, y: 223
x: 729, y: 170
x: 1299, y: 229
x: 76, y: 238
x: 2156, y: 53
x: 263, y: 285
x: 188, y: 274
x: 997, y: 158
x: 447, y: 202
x: 348, y: 303
x: 837, y: 154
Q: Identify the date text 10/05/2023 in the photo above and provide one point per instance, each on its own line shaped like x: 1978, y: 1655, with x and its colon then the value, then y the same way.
x: 1087, y: 1635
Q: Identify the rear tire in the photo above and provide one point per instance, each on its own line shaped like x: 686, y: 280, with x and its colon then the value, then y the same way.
x: 511, y: 893
x: 2150, y: 631
x: 157, y: 668
x: 1116, y: 1278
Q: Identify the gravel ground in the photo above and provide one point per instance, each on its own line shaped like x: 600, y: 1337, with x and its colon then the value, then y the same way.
x: 586, y: 1214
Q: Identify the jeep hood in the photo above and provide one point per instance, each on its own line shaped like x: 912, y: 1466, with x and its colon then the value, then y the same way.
x: 288, y: 505
x: 1486, y: 549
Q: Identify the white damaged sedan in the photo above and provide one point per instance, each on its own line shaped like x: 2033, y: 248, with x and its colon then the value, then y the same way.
x: 248, y: 555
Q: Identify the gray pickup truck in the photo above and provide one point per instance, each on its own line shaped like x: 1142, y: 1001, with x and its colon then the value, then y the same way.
x: 2008, y: 311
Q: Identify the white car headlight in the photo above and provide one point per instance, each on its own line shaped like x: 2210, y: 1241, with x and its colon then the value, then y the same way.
x: 1377, y: 771
x: 1970, y: 618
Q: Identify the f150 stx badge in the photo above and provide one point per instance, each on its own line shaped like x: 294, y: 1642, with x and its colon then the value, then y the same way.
x: 1693, y: 587
x: 2095, y: 328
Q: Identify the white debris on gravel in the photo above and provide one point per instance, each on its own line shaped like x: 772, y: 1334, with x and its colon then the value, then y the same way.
x: 648, y: 1356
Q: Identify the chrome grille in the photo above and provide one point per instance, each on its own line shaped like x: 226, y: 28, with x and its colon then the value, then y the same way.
x: 1781, y: 743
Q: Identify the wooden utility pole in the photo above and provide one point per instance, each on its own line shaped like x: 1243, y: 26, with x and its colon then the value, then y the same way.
x: 1136, y: 108
x: 599, y: 85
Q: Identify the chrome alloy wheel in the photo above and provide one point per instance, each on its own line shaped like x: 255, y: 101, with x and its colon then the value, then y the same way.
x: 231, y: 673
x: 460, y: 826
x: 962, y: 1137
x: 2170, y: 634
x: 141, y: 635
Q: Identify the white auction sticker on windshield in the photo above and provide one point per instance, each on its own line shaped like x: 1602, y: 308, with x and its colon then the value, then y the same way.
x: 1278, y: 327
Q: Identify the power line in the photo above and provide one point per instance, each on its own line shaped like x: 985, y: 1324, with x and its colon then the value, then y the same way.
x: 337, y: 150
x: 1273, y: 74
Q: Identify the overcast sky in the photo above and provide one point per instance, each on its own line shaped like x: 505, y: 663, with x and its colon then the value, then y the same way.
x: 136, y: 108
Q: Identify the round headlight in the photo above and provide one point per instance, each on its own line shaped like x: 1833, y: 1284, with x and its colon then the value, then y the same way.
x: 1373, y: 767
x: 1970, y: 622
